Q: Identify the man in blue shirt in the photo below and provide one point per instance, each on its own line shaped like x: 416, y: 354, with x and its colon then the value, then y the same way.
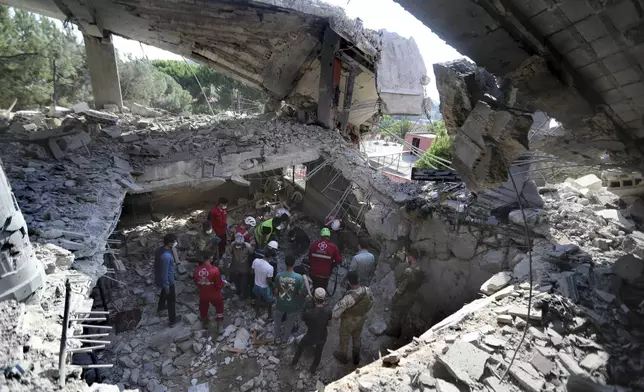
x: 164, y: 277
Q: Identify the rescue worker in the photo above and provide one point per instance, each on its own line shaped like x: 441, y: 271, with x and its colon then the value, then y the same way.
x: 209, y: 281
x: 217, y: 219
x: 205, y: 240
x: 317, y: 320
x: 284, y: 217
x: 322, y: 255
x: 240, y: 265
x: 271, y: 254
x: 247, y: 229
x: 409, y: 277
x: 164, y: 277
x: 288, y: 288
x: 364, y: 263
x: 299, y: 240
x: 334, y: 224
x: 263, y: 280
x: 352, y: 309
x: 265, y: 232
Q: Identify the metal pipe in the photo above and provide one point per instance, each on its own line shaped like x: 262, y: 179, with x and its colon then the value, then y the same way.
x: 94, y: 335
x: 63, y: 339
x: 98, y: 366
x: 95, y: 326
x: 89, y: 319
x: 92, y: 341
x: 85, y: 349
x: 92, y: 312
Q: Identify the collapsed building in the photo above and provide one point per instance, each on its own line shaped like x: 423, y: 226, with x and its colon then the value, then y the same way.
x: 571, y: 282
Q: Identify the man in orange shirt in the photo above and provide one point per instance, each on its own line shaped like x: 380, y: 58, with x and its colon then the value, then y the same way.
x: 209, y: 281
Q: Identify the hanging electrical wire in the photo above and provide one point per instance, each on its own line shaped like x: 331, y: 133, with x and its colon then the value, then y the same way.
x: 200, y: 86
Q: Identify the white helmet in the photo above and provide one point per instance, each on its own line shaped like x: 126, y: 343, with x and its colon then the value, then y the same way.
x: 335, y: 225
x: 250, y: 221
x: 272, y: 245
x: 319, y: 293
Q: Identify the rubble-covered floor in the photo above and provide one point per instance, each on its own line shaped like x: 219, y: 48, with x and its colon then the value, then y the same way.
x: 154, y: 356
x: 586, y: 318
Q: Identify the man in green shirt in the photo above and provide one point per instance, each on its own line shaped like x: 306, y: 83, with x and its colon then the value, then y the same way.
x: 289, y: 286
x: 205, y: 240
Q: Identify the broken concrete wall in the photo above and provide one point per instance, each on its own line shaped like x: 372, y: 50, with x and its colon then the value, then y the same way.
x: 400, y: 83
x: 488, y: 136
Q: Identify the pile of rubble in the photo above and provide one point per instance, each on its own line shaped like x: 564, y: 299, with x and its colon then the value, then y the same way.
x: 583, y: 329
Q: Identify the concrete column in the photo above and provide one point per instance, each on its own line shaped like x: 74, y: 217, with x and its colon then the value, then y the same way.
x: 21, y: 273
x: 330, y: 68
x: 103, y: 70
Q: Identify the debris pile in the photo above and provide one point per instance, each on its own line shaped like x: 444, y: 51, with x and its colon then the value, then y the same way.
x: 584, y: 326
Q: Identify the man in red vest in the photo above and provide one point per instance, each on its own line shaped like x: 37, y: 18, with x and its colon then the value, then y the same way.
x: 217, y: 218
x: 322, y: 254
x: 209, y: 281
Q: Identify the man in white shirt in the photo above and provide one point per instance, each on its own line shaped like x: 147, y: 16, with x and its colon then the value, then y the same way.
x: 263, y: 280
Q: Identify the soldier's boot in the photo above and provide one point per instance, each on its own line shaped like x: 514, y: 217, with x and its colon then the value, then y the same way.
x: 356, y: 357
x: 341, y: 357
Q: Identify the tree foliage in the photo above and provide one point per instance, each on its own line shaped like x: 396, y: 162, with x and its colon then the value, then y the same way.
x: 223, y: 92
x: 399, y: 128
x: 144, y: 84
x: 441, y: 147
x: 31, y: 47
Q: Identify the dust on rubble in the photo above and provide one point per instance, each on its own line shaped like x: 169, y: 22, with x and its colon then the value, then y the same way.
x: 584, y: 327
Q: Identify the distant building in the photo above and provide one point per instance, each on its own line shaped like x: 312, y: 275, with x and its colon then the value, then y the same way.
x: 420, y: 140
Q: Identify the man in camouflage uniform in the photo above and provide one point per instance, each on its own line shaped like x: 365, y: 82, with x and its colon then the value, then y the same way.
x: 409, y: 277
x: 352, y: 309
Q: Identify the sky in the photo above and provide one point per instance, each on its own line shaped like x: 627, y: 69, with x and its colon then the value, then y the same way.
x: 375, y: 14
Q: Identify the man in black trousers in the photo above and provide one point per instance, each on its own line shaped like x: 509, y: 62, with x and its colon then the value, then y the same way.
x: 317, y: 321
x: 164, y: 277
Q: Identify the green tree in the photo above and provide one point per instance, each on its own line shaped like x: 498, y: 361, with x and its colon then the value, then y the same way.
x: 441, y: 147
x: 31, y: 47
x: 223, y: 92
x: 144, y: 84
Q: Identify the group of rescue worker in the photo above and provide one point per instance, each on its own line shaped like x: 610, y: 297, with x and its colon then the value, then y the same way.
x: 299, y: 291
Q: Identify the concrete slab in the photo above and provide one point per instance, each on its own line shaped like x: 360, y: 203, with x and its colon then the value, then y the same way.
x: 521, y: 311
x: 444, y: 386
x: 542, y: 364
x: 496, y: 282
x: 465, y: 362
x: 594, y: 361
x: 571, y: 365
x: 526, y: 380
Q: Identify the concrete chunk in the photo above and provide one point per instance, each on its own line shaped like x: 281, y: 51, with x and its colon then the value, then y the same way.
x: 496, y: 283
x: 504, y: 319
x: 465, y: 362
x: 525, y: 379
x: 542, y: 364
x: 444, y: 386
x: 495, y: 385
x: 520, y: 311
x: 594, y: 361
x: 571, y: 365
x: 589, y: 181
x: 616, y: 217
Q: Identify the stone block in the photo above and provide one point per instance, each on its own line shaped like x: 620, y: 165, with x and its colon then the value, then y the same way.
x: 571, y: 365
x: 465, y: 362
x: 616, y: 217
x: 504, y: 319
x: 522, y: 312
x: 525, y: 379
x: 444, y: 386
x: 605, y: 46
x: 591, y: 28
x: 594, y: 361
x: 589, y: 181
x: 75, y: 141
x: 496, y: 283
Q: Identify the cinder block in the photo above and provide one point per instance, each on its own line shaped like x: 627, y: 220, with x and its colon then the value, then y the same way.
x: 627, y: 76
x: 612, y: 96
x: 575, y: 10
x: 591, y: 72
x: 605, y: 83
x: 530, y: 8
x: 591, y: 28
x: 633, y: 90
x: 623, y: 14
x: 564, y: 41
x: 604, y: 47
x: 547, y: 23
x: 629, y: 116
x: 579, y: 57
x: 616, y: 62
